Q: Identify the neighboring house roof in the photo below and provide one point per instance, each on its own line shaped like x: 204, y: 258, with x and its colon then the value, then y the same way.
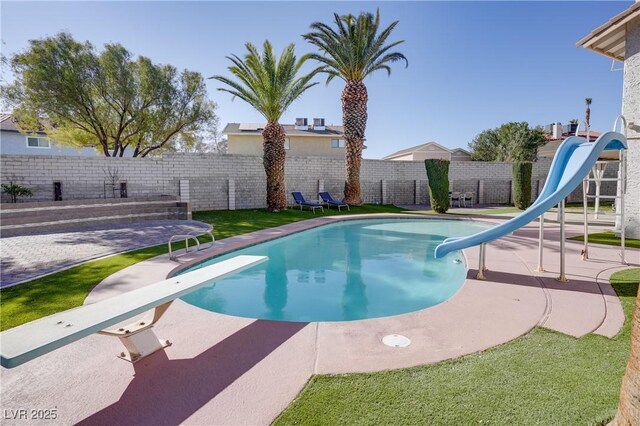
x: 424, y: 147
x: 8, y: 124
x: 609, y: 39
x: 550, y: 148
x: 289, y: 129
x: 593, y: 135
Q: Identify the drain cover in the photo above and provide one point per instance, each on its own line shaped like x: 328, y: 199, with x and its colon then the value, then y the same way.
x: 396, y: 341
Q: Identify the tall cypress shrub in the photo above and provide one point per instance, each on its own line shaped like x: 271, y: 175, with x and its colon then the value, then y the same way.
x: 522, y: 184
x: 438, y: 176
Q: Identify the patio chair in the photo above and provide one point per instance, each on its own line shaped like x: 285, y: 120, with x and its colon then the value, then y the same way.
x: 455, y: 198
x: 312, y: 205
x: 468, y: 197
x: 329, y: 201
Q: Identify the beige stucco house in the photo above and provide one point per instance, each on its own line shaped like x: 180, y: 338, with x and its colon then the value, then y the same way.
x: 301, y: 139
x: 429, y: 150
x: 619, y: 39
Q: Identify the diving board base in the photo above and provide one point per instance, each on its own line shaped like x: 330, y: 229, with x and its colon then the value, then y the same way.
x: 141, y: 345
x: 138, y: 338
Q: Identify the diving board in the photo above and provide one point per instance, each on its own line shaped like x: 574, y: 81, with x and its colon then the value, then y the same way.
x: 26, y: 342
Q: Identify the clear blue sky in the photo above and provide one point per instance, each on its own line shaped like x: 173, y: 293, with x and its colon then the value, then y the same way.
x: 472, y: 65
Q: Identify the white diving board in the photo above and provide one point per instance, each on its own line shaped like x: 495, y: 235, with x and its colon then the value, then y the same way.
x: 26, y: 342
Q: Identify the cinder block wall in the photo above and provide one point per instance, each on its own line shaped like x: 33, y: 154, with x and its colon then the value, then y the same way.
x: 214, y: 178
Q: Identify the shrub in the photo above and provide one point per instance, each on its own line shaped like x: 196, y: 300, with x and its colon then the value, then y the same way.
x: 438, y: 175
x: 14, y: 191
x: 522, y: 184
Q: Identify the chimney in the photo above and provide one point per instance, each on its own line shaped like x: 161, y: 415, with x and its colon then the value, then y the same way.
x: 318, y: 124
x: 557, y: 131
x: 301, y: 124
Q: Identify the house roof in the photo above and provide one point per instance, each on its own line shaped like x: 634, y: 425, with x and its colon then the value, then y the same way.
x: 609, y: 38
x: 9, y: 124
x: 289, y: 129
x: 422, y: 148
x: 592, y: 136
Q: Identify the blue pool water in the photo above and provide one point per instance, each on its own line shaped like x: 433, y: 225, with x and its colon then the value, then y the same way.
x: 344, y: 271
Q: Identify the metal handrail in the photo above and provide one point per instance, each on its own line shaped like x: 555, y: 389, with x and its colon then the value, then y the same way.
x: 209, y: 231
x: 586, y: 126
x: 624, y: 124
x: 191, y: 235
x: 186, y: 237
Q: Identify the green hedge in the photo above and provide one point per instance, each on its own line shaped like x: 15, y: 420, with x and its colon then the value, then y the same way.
x: 438, y: 175
x: 522, y: 184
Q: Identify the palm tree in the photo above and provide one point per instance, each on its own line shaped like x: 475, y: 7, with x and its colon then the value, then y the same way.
x: 270, y: 85
x: 353, y: 51
x: 587, y: 113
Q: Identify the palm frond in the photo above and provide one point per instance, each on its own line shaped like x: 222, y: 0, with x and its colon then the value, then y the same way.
x: 268, y: 83
x: 354, y: 47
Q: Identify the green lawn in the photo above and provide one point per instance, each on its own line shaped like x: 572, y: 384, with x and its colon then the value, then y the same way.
x: 68, y: 289
x: 608, y: 238
x: 541, y: 378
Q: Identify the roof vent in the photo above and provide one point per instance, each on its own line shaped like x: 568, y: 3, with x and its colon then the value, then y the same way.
x: 301, y: 124
x: 318, y: 124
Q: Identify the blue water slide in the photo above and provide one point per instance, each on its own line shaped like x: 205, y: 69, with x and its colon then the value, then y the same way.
x: 573, y: 160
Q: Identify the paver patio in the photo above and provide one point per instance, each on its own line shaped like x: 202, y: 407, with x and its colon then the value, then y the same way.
x: 30, y: 256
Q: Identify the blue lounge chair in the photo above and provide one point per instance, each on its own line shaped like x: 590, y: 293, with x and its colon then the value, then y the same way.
x: 329, y: 201
x: 299, y: 199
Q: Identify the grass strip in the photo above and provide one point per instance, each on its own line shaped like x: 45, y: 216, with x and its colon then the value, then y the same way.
x: 608, y: 238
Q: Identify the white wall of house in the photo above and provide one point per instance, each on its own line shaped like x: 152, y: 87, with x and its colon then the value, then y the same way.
x: 631, y: 111
x: 17, y: 143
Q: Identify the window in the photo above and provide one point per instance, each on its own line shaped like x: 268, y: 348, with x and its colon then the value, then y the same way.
x: 337, y: 143
x: 36, y: 142
x: 286, y: 143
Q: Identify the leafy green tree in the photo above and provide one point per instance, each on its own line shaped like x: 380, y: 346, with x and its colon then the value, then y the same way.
x: 352, y: 51
x: 510, y: 142
x: 107, y: 100
x: 270, y: 85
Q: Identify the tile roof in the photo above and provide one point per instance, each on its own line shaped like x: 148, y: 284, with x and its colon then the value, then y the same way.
x: 424, y: 145
x: 8, y: 124
x: 289, y: 129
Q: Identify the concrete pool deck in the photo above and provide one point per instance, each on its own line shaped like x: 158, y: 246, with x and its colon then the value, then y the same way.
x: 229, y: 370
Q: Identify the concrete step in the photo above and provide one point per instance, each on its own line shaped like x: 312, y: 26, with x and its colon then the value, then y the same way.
x: 38, y: 216
x: 53, y: 226
x: 82, y: 203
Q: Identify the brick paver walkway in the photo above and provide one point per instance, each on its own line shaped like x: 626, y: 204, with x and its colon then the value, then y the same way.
x: 27, y: 257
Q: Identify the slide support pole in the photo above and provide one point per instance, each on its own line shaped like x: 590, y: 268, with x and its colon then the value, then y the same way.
x: 540, y: 243
x: 562, y: 277
x: 585, y: 212
x: 481, y: 265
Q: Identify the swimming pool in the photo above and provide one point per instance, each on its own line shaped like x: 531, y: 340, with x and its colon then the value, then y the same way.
x: 349, y: 270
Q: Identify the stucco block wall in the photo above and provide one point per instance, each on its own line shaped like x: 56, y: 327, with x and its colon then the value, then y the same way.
x: 216, y: 182
x: 631, y: 111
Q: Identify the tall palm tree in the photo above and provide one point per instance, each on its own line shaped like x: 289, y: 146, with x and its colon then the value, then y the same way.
x: 587, y: 113
x: 352, y: 51
x: 269, y: 85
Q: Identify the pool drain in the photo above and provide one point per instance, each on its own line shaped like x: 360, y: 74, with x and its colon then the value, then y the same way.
x: 396, y: 341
